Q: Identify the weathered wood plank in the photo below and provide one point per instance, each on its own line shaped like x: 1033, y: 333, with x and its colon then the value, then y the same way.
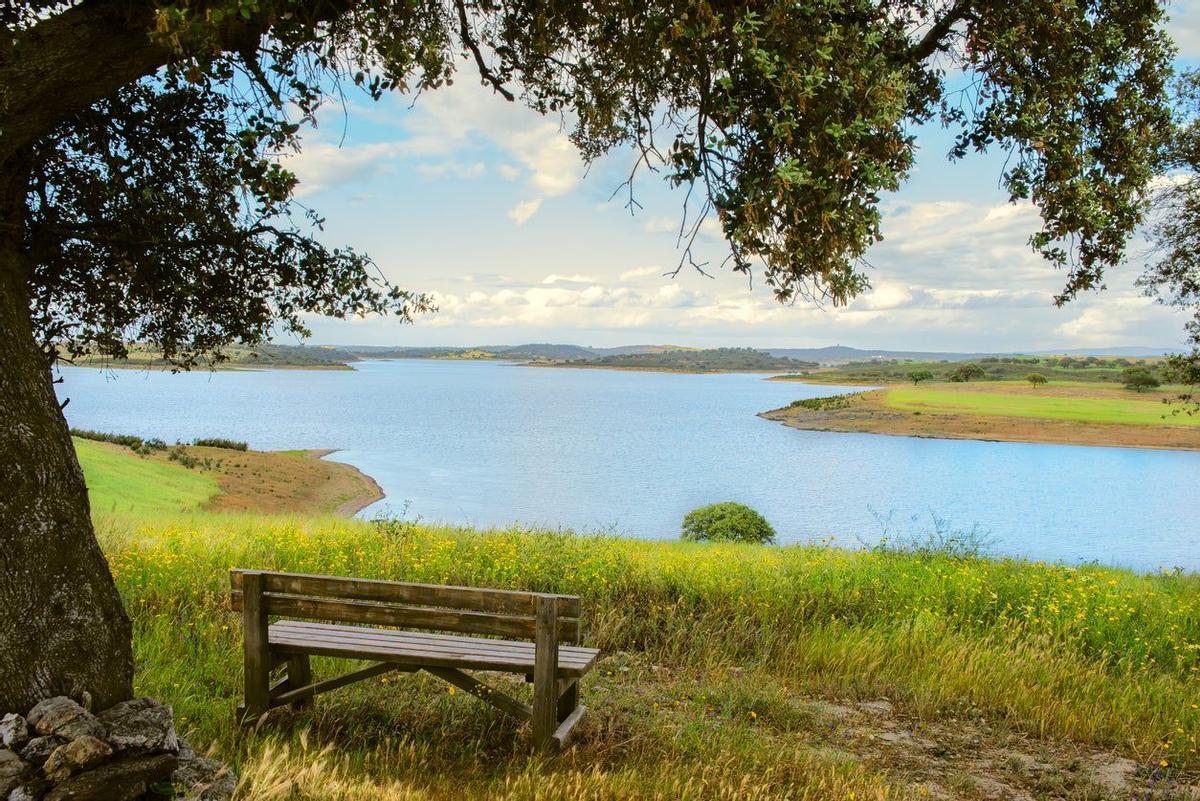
x: 566, y: 730
x: 545, y: 676
x: 482, y: 691
x: 303, y: 631
x: 403, y: 616
x: 299, y: 674
x: 408, y: 656
x: 256, y: 657
x: 513, y: 602
x: 568, y: 697
x: 308, y: 691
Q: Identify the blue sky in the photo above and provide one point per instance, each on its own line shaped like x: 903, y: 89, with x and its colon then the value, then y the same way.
x: 486, y: 205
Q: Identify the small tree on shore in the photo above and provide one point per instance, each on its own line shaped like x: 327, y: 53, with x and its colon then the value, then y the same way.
x: 727, y: 522
x: 1139, y: 379
x: 965, y: 372
x: 1035, y: 379
x: 917, y: 376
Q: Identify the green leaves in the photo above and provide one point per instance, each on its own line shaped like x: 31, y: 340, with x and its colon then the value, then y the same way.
x: 786, y: 120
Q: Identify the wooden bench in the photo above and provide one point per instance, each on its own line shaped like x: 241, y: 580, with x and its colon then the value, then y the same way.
x: 531, y: 624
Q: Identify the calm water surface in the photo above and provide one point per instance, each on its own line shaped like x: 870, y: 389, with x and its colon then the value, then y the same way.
x: 486, y: 443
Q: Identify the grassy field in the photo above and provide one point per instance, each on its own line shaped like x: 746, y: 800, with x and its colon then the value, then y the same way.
x: 1074, y: 413
x: 731, y: 671
x: 119, y: 481
x: 1014, y: 399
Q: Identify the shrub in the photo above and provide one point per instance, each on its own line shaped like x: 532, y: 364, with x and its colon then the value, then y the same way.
x: 178, y: 454
x: 822, y: 403
x: 1139, y: 379
x: 218, y: 442
x: 135, y: 444
x: 965, y: 372
x: 727, y: 522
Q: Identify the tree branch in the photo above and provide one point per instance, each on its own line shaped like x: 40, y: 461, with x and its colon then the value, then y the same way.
x: 934, y: 38
x: 484, y: 71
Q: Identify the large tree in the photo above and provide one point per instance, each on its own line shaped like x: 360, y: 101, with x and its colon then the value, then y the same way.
x: 1174, y: 275
x: 139, y: 196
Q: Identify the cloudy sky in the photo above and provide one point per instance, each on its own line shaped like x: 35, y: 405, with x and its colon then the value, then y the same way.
x: 486, y: 205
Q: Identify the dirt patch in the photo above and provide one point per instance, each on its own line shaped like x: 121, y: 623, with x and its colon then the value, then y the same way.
x: 867, y: 413
x: 956, y: 758
x: 284, y: 482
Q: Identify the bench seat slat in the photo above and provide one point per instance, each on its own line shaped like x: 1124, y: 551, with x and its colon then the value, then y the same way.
x: 442, y: 650
x: 463, y: 646
x: 505, y: 647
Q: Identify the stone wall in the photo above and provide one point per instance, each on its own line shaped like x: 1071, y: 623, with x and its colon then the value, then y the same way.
x: 60, y: 751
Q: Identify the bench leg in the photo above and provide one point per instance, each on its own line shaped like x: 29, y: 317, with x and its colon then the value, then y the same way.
x: 256, y: 662
x: 299, y: 673
x: 545, y: 675
x: 568, y: 701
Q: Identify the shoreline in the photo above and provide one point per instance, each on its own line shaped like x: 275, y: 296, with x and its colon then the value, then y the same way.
x: 223, y: 367
x: 353, y: 506
x: 866, y: 413
x: 632, y: 369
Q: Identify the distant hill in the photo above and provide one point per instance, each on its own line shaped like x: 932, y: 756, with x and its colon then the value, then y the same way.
x: 713, y: 360
x: 841, y: 354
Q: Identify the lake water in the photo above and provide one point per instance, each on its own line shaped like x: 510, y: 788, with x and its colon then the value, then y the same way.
x: 485, y: 443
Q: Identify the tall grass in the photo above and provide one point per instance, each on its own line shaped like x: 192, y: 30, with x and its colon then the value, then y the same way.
x: 1102, y: 657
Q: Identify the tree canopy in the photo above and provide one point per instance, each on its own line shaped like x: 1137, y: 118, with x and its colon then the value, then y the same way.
x: 158, y: 216
x: 1174, y: 277
x: 785, y: 120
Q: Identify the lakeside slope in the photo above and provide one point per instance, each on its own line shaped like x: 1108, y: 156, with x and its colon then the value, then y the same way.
x: 1065, y: 414
x: 222, y: 480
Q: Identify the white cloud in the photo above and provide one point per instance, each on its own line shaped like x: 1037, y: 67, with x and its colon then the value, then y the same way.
x: 321, y: 166
x: 555, y: 278
x: 508, y: 171
x: 1184, y: 27
x: 642, y: 272
x: 524, y: 210
x: 453, y: 169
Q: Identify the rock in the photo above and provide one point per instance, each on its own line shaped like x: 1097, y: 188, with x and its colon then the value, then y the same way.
x: 62, y: 716
x: 82, y: 753
x: 14, y: 732
x: 199, y: 778
x: 123, y: 779
x: 32, y: 790
x: 140, y: 726
x: 13, y: 770
x: 39, y: 749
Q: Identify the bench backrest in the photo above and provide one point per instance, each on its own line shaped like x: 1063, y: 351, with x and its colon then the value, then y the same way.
x: 465, y: 610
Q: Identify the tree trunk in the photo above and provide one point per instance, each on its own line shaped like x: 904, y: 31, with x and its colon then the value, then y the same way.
x: 63, y: 630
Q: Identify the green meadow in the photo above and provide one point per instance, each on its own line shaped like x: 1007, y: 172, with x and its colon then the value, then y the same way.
x: 119, y: 481
x: 730, y: 671
x: 1131, y: 410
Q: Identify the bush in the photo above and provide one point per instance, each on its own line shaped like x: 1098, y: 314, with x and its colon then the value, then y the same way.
x: 1139, y: 379
x: 178, y: 454
x: 135, y: 444
x: 727, y: 522
x: 822, y: 403
x: 218, y: 442
x: 965, y: 372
